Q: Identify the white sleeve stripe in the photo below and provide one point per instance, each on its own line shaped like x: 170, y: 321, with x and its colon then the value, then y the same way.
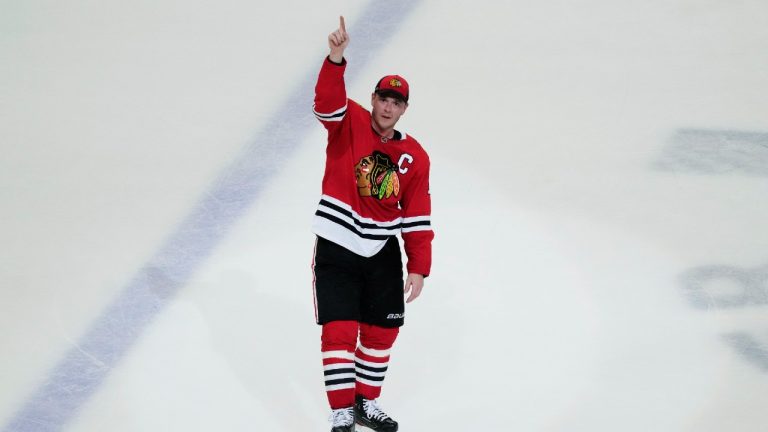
x: 330, y: 119
x: 417, y: 219
x: 417, y: 228
x: 338, y: 113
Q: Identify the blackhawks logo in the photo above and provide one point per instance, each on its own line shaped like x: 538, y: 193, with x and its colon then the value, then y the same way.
x: 377, y: 176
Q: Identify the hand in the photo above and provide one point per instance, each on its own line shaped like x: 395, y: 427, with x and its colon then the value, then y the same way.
x: 413, y: 284
x: 338, y: 41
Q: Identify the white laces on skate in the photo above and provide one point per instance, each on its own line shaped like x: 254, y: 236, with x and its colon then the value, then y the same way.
x: 372, y: 409
x: 342, y: 417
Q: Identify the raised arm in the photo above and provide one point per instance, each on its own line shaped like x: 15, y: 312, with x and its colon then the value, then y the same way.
x: 338, y: 42
x: 330, y: 93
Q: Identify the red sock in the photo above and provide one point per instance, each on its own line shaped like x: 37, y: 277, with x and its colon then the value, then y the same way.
x: 339, y: 339
x: 372, y: 358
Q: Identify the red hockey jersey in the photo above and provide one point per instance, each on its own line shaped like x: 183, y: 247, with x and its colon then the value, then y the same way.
x: 372, y: 189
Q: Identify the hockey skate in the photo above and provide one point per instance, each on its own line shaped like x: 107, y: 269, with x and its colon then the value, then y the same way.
x: 369, y: 414
x: 343, y: 420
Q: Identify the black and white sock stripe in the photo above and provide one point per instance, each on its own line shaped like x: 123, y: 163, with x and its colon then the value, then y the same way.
x: 341, y: 375
x: 368, y: 372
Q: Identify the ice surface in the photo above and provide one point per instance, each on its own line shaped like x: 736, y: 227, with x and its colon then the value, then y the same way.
x: 598, y: 195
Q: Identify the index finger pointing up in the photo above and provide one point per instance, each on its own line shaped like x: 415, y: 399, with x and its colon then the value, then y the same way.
x: 341, y: 24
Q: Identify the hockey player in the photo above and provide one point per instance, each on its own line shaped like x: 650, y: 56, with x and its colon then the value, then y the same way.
x: 375, y: 186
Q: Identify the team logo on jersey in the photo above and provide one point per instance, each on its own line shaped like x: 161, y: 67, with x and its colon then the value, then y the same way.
x: 377, y: 176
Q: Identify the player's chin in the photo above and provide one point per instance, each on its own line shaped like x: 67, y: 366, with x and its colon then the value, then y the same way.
x: 387, y: 123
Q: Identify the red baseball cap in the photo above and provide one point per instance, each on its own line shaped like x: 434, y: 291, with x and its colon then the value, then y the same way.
x: 393, y: 85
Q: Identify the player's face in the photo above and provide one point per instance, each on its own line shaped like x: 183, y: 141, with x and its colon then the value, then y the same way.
x: 386, y: 111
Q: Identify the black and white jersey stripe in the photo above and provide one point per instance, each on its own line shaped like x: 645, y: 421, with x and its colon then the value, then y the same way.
x: 342, y: 214
x: 338, y: 222
x: 335, y: 116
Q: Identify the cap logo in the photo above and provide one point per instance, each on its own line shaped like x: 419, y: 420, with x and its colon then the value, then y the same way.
x: 394, y: 82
